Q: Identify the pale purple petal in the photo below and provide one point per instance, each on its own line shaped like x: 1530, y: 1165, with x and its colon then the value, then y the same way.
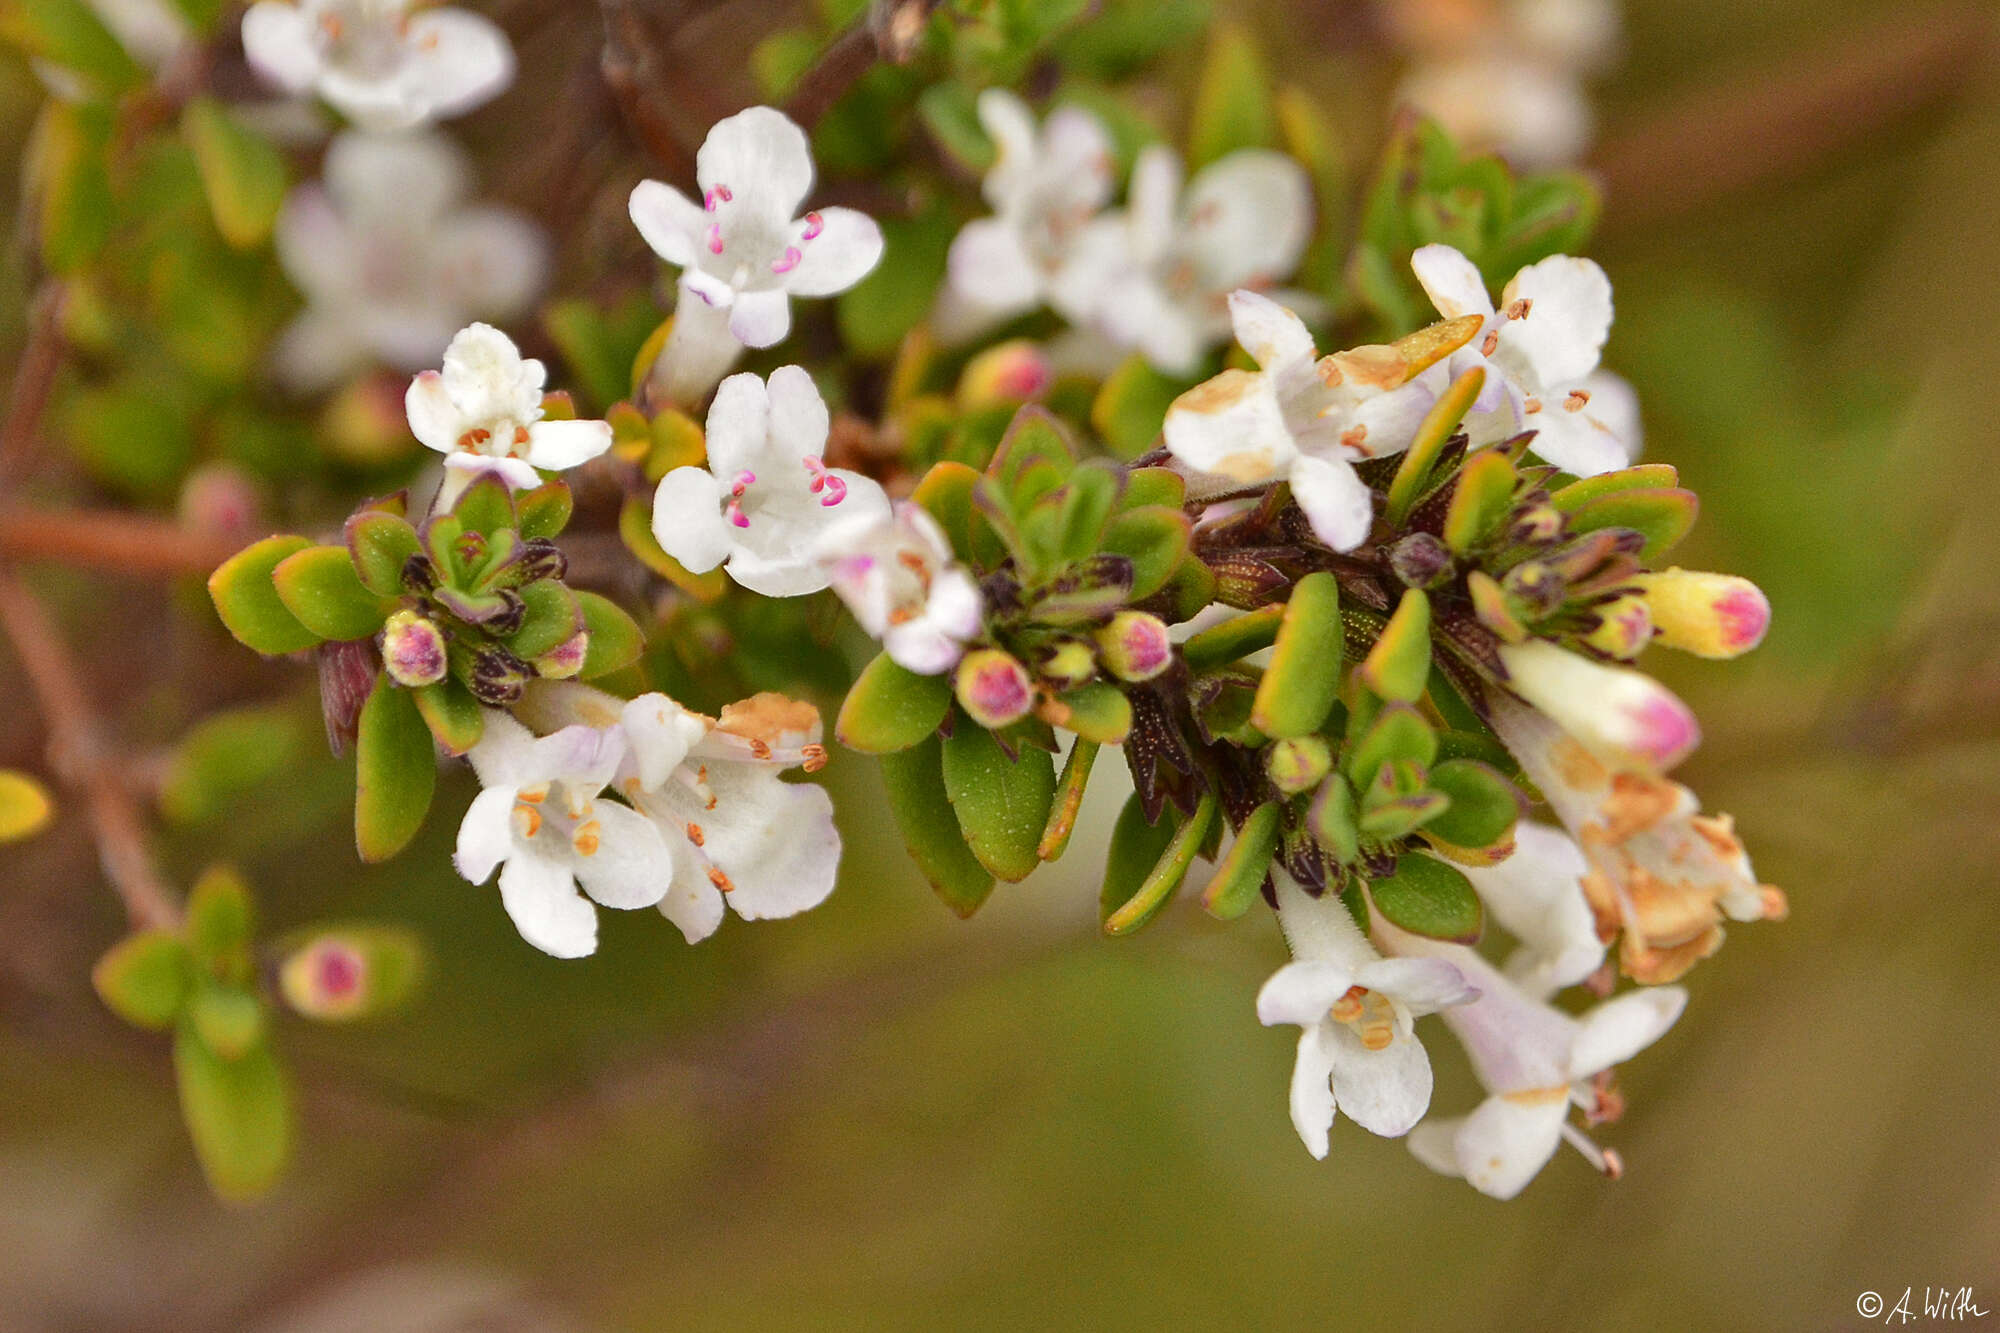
x: 761, y: 319
x: 669, y: 221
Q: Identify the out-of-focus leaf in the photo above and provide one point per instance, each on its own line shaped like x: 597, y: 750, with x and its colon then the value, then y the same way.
x: 145, y: 978
x: 242, y: 173
x: 395, y: 772
x: 25, y: 807
x: 1232, y: 107
x: 1002, y: 804
x: 915, y: 782
x: 239, y: 1114
x: 876, y: 312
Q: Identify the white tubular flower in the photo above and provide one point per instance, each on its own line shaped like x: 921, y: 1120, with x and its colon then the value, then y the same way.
x: 1534, y: 1061
x: 392, y: 262
x: 1659, y: 871
x: 766, y: 503
x: 1717, y: 616
x: 1536, y: 895
x: 380, y: 65
x: 1624, y: 717
x: 1542, y: 347
x: 739, y: 833
x: 1301, y: 418
x: 1358, y: 1049
x: 540, y: 822
x: 1158, y: 276
x: 898, y: 577
x: 483, y: 412
x: 1043, y: 188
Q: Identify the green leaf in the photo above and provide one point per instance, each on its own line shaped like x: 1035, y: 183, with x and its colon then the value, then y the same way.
x: 950, y: 112
x: 1427, y: 897
x: 1002, y: 804
x: 1132, y: 405
x: 225, y: 755
x: 779, y: 59
x: 1155, y: 538
x: 1158, y: 885
x: 68, y: 33
x: 242, y: 173
x: 1644, y: 477
x: 1414, y: 471
x: 1069, y: 799
x: 1153, y: 486
x: 248, y: 602
x: 544, y: 511
x: 1097, y: 712
x: 144, y: 979
x: 239, y: 1114
x: 220, y: 923
x: 891, y: 708
x: 25, y: 807
x: 915, y: 783
x: 1241, y: 873
x: 320, y: 588
x: 1399, y: 665
x: 1333, y: 820
x: 228, y: 1021
x: 1232, y: 106
x: 1235, y: 638
x: 945, y: 493
x: 1399, y: 733
x: 876, y: 312
x: 552, y: 617
x: 1662, y: 516
x: 1484, y: 805
x: 395, y: 772
x: 379, y: 544
x: 67, y: 167
x: 1084, y: 505
x: 615, y: 638
x: 1480, y: 499
x: 454, y: 717
x: 1134, y: 852
x: 1300, y: 685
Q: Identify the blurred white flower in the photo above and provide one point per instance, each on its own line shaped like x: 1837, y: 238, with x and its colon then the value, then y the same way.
x: 483, y: 412
x: 1541, y: 349
x: 393, y: 262
x: 540, y: 823
x: 1536, y: 895
x: 1358, y: 1048
x: 1156, y: 276
x: 898, y: 577
x: 766, y: 504
x: 378, y: 63
x: 1300, y: 417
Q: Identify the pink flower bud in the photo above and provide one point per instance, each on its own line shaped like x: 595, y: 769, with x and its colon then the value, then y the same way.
x: 1709, y: 615
x: 994, y: 688
x: 413, y: 650
x: 1298, y: 764
x: 219, y: 500
x: 1135, y: 646
x: 327, y: 979
x: 1012, y: 372
x: 1625, y: 626
x: 1629, y: 720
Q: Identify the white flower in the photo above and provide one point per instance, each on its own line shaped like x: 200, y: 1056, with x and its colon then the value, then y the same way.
x: 742, y: 250
x: 1623, y: 716
x: 1300, y: 418
x: 392, y: 262
x: 766, y: 502
x: 1536, y: 895
x: 484, y: 414
x: 1358, y: 1049
x: 1542, y: 346
x: 1534, y: 1061
x: 1158, y: 276
x: 380, y: 65
x: 540, y: 822
x: 1043, y: 188
x: 1659, y: 871
x: 898, y: 577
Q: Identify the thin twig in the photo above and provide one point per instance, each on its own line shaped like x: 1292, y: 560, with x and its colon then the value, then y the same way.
x: 81, y: 757
x: 118, y: 543
x: 34, y: 377
x: 637, y: 77
x: 889, y: 32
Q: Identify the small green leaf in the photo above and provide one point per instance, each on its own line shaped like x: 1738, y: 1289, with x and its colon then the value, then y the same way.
x: 1484, y: 805
x: 544, y: 511
x: 891, y: 708
x: 1399, y: 665
x: 239, y: 1114
x: 1414, y: 471
x: 615, y: 638
x: 552, y: 617
x: 1399, y: 733
x: 915, y: 783
x: 1643, y: 477
x: 1333, y: 820
x: 945, y: 493
x: 1663, y: 516
x: 1069, y: 799
x: 1132, y: 405
x: 1084, y: 505
x: 1097, y: 712
x: 455, y: 719
x: 1155, y: 538
x: 1002, y: 804
x: 320, y: 588
x: 876, y: 312
x: 1159, y: 884
x: 220, y: 923
x: 144, y: 979
x: 635, y: 529
x: 1235, y: 638
x: 68, y: 33
x: 226, y: 754
x: 395, y: 772
x: 228, y: 1021
x: 1427, y: 897
x: 67, y: 167
x: 25, y: 807
x: 1232, y: 106
x: 1134, y: 852
x: 1241, y: 873
x: 248, y: 602
x: 1480, y: 500
x: 950, y: 112
x: 1153, y: 486
x: 1299, y: 687
x: 379, y: 545
x: 242, y: 174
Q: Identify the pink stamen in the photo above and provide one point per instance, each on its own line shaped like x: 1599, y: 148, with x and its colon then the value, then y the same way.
x: 815, y: 224
x: 736, y: 515
x: 788, y: 262
x: 744, y: 481
x: 716, y: 197
x: 836, y: 491
x: 715, y: 238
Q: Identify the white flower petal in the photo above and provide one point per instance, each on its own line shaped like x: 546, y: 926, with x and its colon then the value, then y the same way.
x: 1011, y: 125
x: 1503, y: 1144
x: 1435, y: 1143
x: 762, y: 159
x: 1386, y: 1092
x: 541, y: 897
x: 692, y: 903
x: 761, y: 319
x: 1269, y: 332
x: 402, y: 178
x: 1568, y: 318
x: 630, y: 866
x: 739, y: 424
x: 1151, y: 215
x: 668, y: 220
x: 558, y: 445
x: 1421, y: 985
x: 1302, y: 992
x: 1536, y: 895
x: 456, y: 60
x: 1336, y: 501
x: 1312, y: 1103
x: 494, y: 260
x: 1578, y: 442
x: 774, y: 839
x: 955, y: 605
x: 315, y: 246
x: 1246, y: 218
x: 922, y: 647
x: 1451, y: 281
x: 505, y: 753
x: 1616, y: 407
x: 1620, y: 1028
x: 792, y: 575
x: 798, y: 422
x: 318, y: 350
x: 279, y: 41
x: 486, y: 834
x: 990, y: 268
x: 434, y: 418
x: 659, y: 732
x: 688, y: 521
x: 848, y: 245
x: 1232, y: 426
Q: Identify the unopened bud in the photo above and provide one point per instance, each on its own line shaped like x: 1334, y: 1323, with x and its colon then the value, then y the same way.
x: 1298, y: 764
x: 1624, y: 627
x: 220, y: 500
x: 1016, y: 371
x: 1709, y: 615
x: 1066, y: 664
x: 327, y: 979
x: 1628, y: 719
x: 993, y: 687
x: 498, y: 677
x: 1421, y: 560
x: 1135, y: 646
x: 413, y: 650
x: 565, y: 659
x: 1536, y: 588
x: 1536, y: 524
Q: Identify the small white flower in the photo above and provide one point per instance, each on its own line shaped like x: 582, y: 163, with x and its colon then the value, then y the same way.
x: 540, y: 822
x: 1534, y: 1061
x: 1542, y: 349
x: 379, y: 64
x: 1623, y: 716
x: 898, y: 577
x: 1536, y: 895
x: 1358, y: 1049
x: 742, y: 249
x: 1043, y: 188
x: 1301, y: 418
x: 766, y: 503
x: 1157, y: 276
x: 483, y: 412
x: 393, y: 262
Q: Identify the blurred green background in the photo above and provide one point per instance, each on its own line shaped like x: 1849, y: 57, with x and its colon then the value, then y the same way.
x: 879, y: 1116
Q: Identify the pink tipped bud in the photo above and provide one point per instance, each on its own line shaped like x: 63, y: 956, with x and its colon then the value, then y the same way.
x: 1629, y: 720
x: 1135, y: 646
x: 327, y: 979
x: 994, y: 688
x: 1298, y: 764
x: 218, y: 499
x: 1624, y: 627
x: 565, y: 659
x: 1012, y: 372
x: 413, y: 650
x: 1709, y: 615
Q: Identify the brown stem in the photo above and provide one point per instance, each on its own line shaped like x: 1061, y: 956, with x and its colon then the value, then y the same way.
x: 34, y: 377
x: 638, y: 77
x: 889, y: 31
x: 117, y: 543
x: 81, y: 756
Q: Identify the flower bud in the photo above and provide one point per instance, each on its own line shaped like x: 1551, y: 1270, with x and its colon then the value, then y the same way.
x: 565, y: 659
x: 993, y: 687
x: 1421, y: 560
x: 1709, y: 615
x: 413, y: 650
x: 1135, y: 646
x: 498, y: 677
x: 1066, y: 663
x: 1298, y: 764
x: 327, y: 979
x: 219, y: 499
x: 1627, y: 719
x: 1535, y: 525
x: 1016, y: 371
x: 1624, y: 627
x: 1537, y: 589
